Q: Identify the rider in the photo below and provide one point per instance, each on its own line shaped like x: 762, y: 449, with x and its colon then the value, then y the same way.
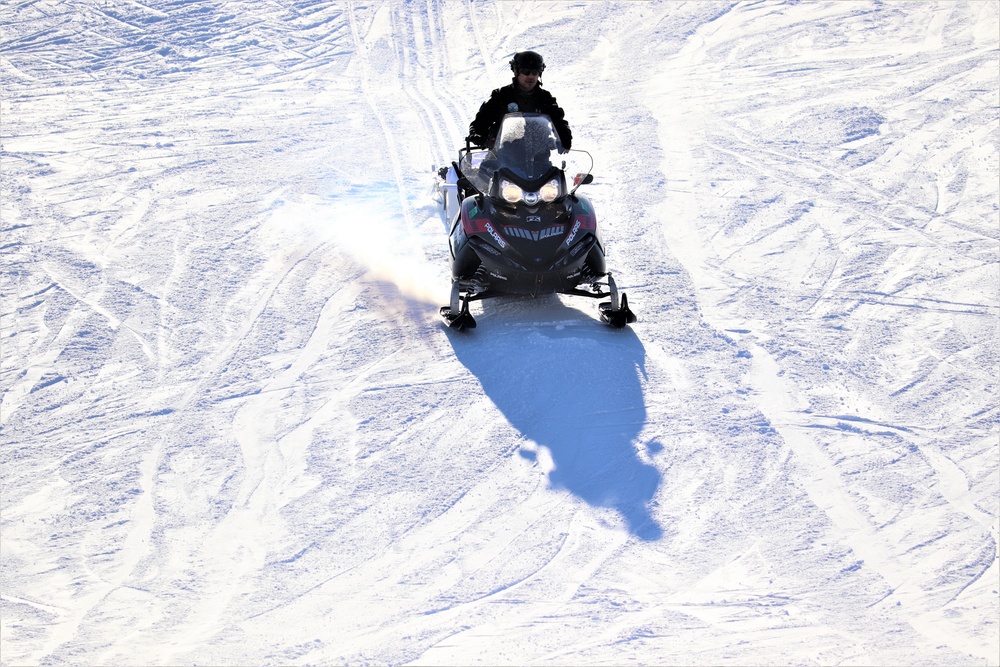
x: 523, y: 94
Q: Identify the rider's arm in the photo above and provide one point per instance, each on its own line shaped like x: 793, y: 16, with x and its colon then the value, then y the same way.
x: 487, y: 119
x: 558, y: 116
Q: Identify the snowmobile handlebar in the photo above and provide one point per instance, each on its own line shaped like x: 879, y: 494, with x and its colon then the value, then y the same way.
x: 473, y: 144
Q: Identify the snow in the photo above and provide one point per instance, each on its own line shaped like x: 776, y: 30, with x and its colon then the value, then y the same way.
x: 234, y: 430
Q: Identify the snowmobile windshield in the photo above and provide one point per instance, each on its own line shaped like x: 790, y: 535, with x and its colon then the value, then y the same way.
x: 527, y: 144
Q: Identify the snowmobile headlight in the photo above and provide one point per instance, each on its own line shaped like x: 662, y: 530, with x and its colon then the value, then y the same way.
x: 511, y: 192
x: 530, y: 198
x: 550, y: 191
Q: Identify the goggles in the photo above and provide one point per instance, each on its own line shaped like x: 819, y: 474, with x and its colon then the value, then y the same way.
x: 530, y: 72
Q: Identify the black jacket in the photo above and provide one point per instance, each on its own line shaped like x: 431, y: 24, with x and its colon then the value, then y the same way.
x: 483, y: 130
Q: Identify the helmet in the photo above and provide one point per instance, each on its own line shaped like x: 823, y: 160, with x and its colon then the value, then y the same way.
x: 527, y: 60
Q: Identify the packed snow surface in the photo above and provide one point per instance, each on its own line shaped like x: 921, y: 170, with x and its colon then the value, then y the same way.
x: 236, y: 432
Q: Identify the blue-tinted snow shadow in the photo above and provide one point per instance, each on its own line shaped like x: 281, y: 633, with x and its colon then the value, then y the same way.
x: 572, y: 385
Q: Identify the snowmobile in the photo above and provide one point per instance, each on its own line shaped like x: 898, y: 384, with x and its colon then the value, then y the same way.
x: 518, y: 226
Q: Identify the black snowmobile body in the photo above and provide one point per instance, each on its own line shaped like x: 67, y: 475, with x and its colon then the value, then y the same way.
x: 520, y: 228
x: 526, y: 250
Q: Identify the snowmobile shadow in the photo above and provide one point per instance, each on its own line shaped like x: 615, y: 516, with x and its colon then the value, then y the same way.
x: 571, y: 385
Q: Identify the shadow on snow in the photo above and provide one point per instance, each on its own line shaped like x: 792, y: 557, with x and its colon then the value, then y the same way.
x: 572, y: 386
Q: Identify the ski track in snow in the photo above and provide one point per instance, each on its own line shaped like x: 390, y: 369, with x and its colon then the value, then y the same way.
x: 234, y: 431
